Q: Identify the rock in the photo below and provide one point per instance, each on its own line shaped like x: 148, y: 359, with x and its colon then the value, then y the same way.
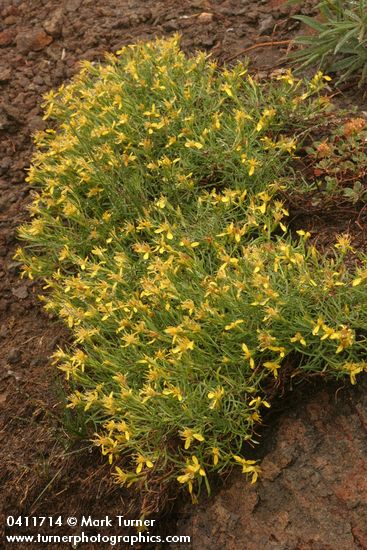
x: 171, y: 25
x: 9, y: 117
x: 207, y: 41
x: 205, y: 18
x: 34, y: 40
x: 53, y: 25
x: 72, y: 5
x: 11, y: 10
x: 252, y: 17
x: 10, y: 20
x: 3, y: 397
x: 5, y: 74
x: 266, y: 25
x: 6, y: 38
x: 36, y: 123
x: 20, y: 292
x: 312, y: 490
x: 14, y: 356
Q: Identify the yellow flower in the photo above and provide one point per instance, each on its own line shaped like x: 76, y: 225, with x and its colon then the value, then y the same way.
x: 287, y: 76
x: 234, y: 232
x: 257, y: 402
x: 191, y: 471
x: 184, y: 344
x: 266, y: 115
x: 130, y: 339
x: 189, y: 436
x: 193, y: 144
x: 142, y: 461
x: 248, y: 467
x: 273, y: 367
x: 174, y: 332
x: 174, y: 391
x: 189, y: 306
x: 189, y: 244
x: 215, y: 396
x: 142, y: 248
x: 298, y: 338
x: 319, y: 324
x: 226, y: 88
x: 252, y: 165
x: 124, y: 478
x: 215, y: 452
x: 234, y: 324
x: 345, y: 337
x: 353, y: 369
x: 165, y: 228
x: 328, y: 333
x: 361, y: 278
x: 248, y: 356
x: 161, y: 203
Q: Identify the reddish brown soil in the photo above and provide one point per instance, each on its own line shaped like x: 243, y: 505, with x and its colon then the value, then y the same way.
x: 316, y: 461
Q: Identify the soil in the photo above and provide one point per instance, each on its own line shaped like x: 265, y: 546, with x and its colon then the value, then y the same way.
x: 313, y: 494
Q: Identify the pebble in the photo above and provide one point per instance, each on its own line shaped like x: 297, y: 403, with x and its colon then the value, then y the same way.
x: 34, y: 40
x: 266, y: 25
x: 5, y: 74
x: 6, y: 38
x: 205, y: 18
x: 53, y: 25
x: 14, y: 356
x: 20, y: 292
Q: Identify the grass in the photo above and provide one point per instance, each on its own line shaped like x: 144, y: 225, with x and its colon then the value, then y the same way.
x: 338, y: 42
x: 158, y: 228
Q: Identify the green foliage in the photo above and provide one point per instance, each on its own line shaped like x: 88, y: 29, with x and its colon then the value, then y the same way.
x: 158, y: 228
x: 336, y: 164
x: 339, y: 41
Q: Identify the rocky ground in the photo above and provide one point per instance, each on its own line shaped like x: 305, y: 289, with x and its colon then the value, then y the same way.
x: 313, y: 494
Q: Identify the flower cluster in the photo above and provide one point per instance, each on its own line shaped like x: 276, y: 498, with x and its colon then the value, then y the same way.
x: 158, y: 228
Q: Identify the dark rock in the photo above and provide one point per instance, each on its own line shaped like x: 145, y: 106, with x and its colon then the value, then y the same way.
x: 171, y: 25
x: 121, y: 23
x: 10, y: 117
x: 207, y: 41
x: 266, y: 25
x: 13, y: 267
x: 14, y: 356
x: 36, y: 123
x: 34, y: 40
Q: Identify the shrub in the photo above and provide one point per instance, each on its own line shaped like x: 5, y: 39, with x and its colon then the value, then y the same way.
x: 159, y: 231
x: 340, y: 39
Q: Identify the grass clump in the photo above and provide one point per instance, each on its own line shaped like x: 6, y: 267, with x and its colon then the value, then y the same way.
x: 159, y: 231
x: 339, y: 40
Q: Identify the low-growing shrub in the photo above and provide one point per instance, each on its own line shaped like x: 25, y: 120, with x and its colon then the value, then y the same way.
x: 159, y: 231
